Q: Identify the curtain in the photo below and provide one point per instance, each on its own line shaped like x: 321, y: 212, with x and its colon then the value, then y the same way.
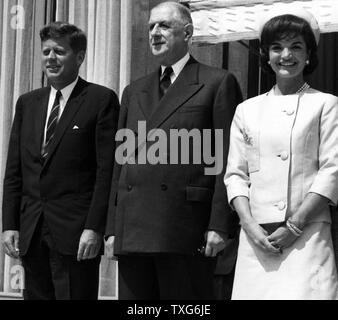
x: 20, y: 71
x: 108, y: 27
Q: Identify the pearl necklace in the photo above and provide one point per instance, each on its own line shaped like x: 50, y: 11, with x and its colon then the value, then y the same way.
x: 303, y: 88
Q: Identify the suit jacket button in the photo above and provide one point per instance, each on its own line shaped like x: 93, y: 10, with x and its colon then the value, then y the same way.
x: 281, y: 205
x: 164, y: 187
x: 129, y: 188
x: 289, y: 111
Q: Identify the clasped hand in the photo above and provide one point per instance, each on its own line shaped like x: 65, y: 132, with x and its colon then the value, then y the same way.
x: 282, y: 238
x: 275, y: 243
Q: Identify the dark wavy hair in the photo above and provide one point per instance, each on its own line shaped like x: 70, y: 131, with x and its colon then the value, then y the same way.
x: 56, y: 30
x: 288, y: 27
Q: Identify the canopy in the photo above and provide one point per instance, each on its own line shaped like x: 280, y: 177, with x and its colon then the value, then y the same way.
x: 218, y: 21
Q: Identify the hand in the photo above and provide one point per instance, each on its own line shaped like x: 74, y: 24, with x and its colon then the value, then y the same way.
x: 110, y: 247
x: 215, y: 243
x: 260, y: 237
x: 89, y: 245
x: 10, y: 239
x: 282, y: 238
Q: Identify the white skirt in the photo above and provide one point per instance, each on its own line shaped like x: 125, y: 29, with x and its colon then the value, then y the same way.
x: 305, y: 271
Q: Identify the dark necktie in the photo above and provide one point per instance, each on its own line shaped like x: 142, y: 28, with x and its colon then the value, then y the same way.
x: 165, y: 81
x: 52, y: 122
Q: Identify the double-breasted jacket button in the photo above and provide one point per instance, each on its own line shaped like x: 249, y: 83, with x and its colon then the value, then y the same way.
x: 129, y: 188
x: 164, y: 187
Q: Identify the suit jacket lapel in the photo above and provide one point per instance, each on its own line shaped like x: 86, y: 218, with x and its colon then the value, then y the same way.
x: 149, y: 96
x: 39, y: 118
x: 71, y: 108
x: 185, y: 86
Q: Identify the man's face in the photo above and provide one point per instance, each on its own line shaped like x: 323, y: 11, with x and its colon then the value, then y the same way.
x: 60, y: 63
x: 168, y: 36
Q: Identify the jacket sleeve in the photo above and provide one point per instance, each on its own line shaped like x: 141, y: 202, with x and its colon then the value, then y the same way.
x: 326, y: 180
x: 110, y: 224
x: 236, y: 178
x: 106, y: 126
x: 12, y: 190
x: 227, y: 98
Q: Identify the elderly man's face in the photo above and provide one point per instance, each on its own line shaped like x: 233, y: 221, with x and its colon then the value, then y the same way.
x: 168, y: 37
x: 59, y: 62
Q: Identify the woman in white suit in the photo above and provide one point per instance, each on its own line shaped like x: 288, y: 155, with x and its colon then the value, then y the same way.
x: 282, y: 172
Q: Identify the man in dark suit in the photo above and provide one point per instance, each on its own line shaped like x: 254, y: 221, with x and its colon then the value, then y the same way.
x: 166, y: 223
x: 58, y: 173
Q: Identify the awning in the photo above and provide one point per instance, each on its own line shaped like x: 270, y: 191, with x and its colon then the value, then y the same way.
x: 218, y: 21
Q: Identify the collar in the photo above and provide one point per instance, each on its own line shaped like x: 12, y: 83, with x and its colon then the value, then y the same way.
x: 66, y: 91
x: 179, y: 65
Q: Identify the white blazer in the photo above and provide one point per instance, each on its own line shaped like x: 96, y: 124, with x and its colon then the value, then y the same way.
x: 281, y: 148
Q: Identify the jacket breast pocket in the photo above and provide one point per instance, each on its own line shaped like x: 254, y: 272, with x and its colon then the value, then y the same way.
x: 251, y: 140
x: 77, y: 131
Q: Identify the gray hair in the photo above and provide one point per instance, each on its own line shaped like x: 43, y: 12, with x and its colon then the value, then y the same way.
x: 183, y: 11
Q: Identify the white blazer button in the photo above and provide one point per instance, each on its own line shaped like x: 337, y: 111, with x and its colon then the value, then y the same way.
x: 290, y: 112
x: 281, y: 205
x: 284, y: 156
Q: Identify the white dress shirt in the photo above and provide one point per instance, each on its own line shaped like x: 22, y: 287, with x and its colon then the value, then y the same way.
x: 177, y: 67
x: 66, y: 92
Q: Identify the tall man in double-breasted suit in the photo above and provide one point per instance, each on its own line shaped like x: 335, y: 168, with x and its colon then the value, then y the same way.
x: 168, y: 221
x: 58, y: 174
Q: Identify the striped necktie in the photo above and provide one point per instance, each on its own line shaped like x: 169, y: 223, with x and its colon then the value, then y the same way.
x: 52, y: 122
x: 165, y: 81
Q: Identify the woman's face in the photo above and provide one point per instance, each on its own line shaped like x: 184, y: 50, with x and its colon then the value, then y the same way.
x: 288, y: 57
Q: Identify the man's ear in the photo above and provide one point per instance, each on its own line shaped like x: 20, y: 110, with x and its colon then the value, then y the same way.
x: 80, y: 57
x: 189, y: 31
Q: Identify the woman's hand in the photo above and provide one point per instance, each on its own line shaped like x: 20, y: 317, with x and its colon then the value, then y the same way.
x: 254, y: 231
x: 260, y: 237
x: 282, y: 238
x: 312, y: 204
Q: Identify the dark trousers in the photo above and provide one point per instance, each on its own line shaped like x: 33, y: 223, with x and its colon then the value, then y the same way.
x: 223, y: 285
x: 165, y: 277
x: 52, y: 276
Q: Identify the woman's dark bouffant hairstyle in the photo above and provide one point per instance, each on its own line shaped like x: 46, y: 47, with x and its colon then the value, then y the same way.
x: 287, y: 27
